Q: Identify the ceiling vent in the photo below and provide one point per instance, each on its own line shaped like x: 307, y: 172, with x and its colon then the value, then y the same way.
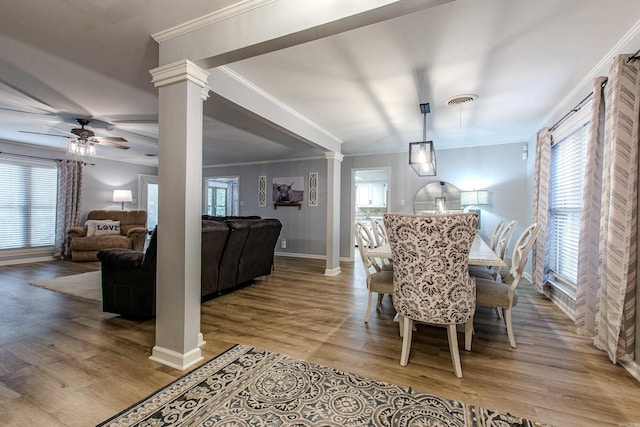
x: 461, y: 99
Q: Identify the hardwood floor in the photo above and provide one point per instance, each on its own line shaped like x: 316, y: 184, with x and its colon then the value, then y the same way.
x: 63, y: 362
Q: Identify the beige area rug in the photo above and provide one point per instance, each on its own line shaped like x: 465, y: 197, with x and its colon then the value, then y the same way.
x: 84, y: 285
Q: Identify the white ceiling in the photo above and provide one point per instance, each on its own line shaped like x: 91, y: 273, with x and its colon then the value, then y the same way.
x: 91, y: 58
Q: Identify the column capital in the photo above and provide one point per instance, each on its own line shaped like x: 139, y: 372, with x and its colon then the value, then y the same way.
x: 180, y: 71
x: 333, y: 155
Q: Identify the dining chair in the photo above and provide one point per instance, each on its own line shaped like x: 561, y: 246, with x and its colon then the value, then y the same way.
x: 431, y: 281
x: 495, y: 235
x: 380, y: 236
x: 379, y: 232
x: 493, y: 272
x: 378, y: 280
x: 493, y: 293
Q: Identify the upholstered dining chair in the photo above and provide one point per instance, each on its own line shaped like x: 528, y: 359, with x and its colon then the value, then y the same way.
x: 503, y: 296
x: 431, y: 281
x: 378, y: 280
x: 493, y: 273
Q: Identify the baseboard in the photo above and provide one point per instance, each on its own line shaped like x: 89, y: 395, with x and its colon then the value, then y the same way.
x: 631, y: 366
x: 174, y: 359
x: 296, y: 255
x: 332, y: 271
x: 309, y: 256
x: 25, y: 260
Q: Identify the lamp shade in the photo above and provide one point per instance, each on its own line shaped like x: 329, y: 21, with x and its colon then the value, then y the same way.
x: 474, y: 198
x: 122, y: 196
x: 422, y: 158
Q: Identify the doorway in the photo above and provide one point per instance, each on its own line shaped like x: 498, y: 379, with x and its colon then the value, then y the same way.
x: 148, y: 198
x: 370, y: 196
x: 221, y: 196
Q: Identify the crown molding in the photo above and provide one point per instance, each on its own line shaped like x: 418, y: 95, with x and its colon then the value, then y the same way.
x: 209, y: 19
x: 585, y: 83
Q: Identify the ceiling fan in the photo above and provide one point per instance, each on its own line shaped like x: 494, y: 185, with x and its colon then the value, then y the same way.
x: 85, y: 135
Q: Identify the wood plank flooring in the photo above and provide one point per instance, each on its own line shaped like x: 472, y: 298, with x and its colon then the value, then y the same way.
x: 63, y: 362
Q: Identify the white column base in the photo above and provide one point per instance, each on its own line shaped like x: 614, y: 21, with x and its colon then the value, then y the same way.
x: 201, y: 340
x: 174, y: 359
x: 332, y: 271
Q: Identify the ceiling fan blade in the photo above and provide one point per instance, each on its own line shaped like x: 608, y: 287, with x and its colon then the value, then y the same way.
x: 47, y: 134
x: 106, y: 143
x: 110, y: 139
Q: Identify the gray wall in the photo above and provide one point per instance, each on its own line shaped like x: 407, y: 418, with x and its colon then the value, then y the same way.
x: 100, y: 180
x: 304, y: 229
x: 498, y: 168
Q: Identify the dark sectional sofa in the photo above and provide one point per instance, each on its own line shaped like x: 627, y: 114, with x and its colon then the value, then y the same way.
x: 235, y: 250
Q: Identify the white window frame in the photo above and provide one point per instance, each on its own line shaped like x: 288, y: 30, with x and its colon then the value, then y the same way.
x: 579, y: 122
x: 31, y: 246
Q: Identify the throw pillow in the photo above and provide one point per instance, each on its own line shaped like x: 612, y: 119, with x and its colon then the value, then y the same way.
x: 107, y: 227
x: 91, y: 225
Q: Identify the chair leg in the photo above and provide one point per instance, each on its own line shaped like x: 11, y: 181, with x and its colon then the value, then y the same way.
x: 497, y: 309
x: 366, y: 316
x: 452, y: 332
x: 507, y: 319
x: 380, y: 296
x: 401, y: 324
x: 406, y: 340
x: 468, y: 334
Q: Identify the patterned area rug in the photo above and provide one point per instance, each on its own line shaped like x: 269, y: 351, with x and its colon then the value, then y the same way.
x: 249, y: 387
x: 83, y: 285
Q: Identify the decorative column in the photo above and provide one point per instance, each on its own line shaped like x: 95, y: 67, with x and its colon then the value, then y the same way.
x: 182, y: 89
x: 334, y: 160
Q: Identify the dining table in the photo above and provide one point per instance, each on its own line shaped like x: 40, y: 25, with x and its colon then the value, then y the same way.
x: 479, y: 254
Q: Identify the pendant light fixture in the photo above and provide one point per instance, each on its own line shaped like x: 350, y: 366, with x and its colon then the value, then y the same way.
x: 422, y: 156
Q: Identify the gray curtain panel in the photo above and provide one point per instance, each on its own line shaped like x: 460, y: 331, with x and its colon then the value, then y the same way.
x: 68, y: 204
x: 616, y: 300
x: 589, y: 243
x: 541, y: 208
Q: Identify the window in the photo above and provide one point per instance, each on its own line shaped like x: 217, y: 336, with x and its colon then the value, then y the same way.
x: 27, y: 204
x: 565, y: 203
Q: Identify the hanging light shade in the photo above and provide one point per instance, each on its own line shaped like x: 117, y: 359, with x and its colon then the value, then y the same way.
x: 422, y: 155
x: 82, y: 147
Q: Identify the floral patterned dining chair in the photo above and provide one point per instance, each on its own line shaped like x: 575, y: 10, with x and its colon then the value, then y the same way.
x: 431, y: 281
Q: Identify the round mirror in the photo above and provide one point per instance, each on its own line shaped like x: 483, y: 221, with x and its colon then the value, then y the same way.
x: 437, y: 197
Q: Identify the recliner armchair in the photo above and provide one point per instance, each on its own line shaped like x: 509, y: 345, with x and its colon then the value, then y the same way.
x: 132, y: 234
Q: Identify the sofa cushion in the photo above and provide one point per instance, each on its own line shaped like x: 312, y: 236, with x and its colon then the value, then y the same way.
x: 97, y: 243
x: 120, y: 257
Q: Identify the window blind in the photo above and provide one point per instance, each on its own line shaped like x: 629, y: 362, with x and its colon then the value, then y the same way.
x: 27, y: 204
x: 565, y: 205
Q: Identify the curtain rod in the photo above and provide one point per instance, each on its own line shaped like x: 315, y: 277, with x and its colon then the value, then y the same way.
x: 41, y: 158
x: 634, y: 57
x: 575, y: 109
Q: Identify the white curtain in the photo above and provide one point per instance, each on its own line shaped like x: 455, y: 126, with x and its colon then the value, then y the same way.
x: 68, y: 204
x: 541, y: 208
